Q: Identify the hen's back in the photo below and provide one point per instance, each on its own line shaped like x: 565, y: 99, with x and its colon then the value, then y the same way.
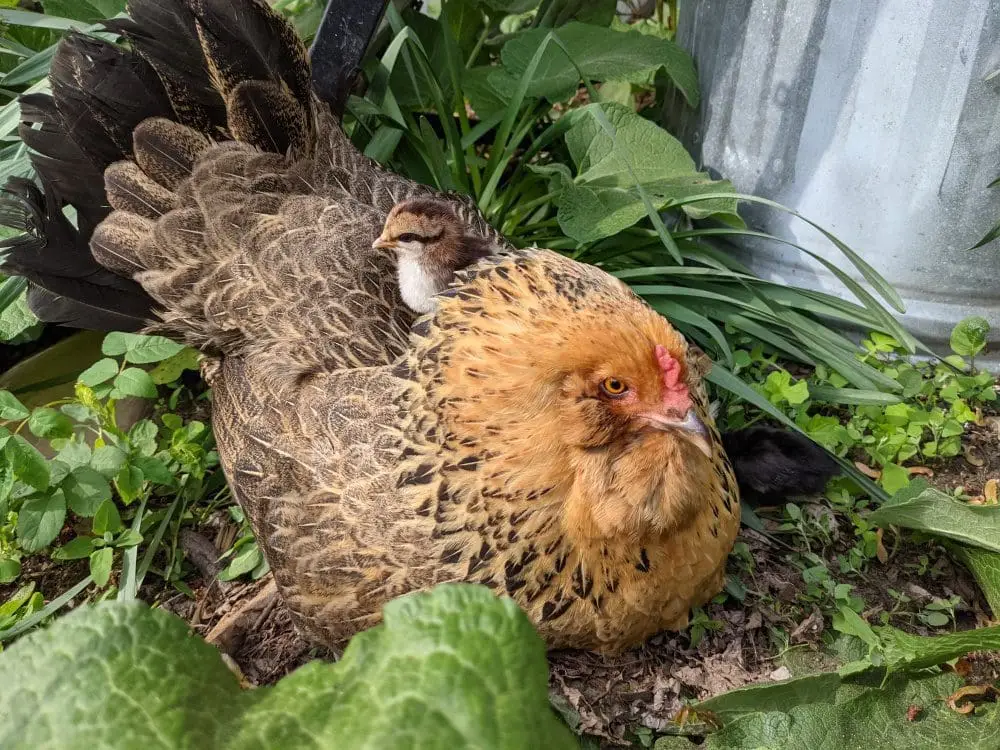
x: 236, y: 200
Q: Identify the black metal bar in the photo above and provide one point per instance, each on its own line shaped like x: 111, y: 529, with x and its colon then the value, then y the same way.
x: 343, y: 36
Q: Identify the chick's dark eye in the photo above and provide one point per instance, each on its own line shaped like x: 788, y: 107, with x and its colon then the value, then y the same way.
x: 410, y: 237
x: 613, y: 387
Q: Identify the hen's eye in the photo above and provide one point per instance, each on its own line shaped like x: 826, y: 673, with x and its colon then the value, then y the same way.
x: 613, y: 387
x: 410, y: 237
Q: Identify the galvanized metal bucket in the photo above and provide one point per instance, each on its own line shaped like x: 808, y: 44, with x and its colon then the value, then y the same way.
x: 879, y: 120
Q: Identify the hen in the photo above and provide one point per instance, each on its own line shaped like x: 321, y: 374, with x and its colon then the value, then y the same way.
x: 543, y: 431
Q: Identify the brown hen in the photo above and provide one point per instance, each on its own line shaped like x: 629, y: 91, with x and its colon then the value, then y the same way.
x: 542, y: 431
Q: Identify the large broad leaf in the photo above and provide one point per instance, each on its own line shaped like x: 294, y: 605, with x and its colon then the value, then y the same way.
x: 452, y: 668
x: 600, y: 54
x: 856, y: 712
x: 614, y: 168
x: 923, y: 508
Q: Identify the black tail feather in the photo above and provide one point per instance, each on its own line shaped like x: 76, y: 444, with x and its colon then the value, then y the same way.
x: 67, y: 284
x: 773, y: 464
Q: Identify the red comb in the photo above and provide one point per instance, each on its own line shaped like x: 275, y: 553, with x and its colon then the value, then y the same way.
x: 675, y: 391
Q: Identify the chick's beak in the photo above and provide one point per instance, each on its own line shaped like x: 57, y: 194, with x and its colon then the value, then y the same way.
x: 383, y: 243
x: 690, y: 427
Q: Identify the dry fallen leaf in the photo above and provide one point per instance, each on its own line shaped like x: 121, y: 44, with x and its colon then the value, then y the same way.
x: 973, y: 457
x: 924, y: 471
x: 913, y: 712
x: 880, y: 553
x: 962, y: 667
x: 867, y: 470
x: 977, y: 500
x: 990, y: 491
x: 969, y: 692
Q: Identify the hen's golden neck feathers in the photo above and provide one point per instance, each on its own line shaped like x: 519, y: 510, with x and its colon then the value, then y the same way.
x: 581, y: 391
x: 431, y: 244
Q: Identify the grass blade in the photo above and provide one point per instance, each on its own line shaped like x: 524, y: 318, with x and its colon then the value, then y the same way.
x: 49, y: 609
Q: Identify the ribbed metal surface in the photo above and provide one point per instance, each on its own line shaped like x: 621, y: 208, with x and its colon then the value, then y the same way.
x: 875, y: 119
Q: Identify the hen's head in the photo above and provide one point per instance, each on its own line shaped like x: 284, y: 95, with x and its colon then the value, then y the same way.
x: 431, y: 243
x: 578, y: 389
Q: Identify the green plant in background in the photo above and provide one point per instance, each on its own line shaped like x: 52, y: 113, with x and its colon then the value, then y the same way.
x: 107, y: 491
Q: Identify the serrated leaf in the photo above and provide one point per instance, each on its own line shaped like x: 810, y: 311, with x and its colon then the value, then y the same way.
x: 85, y: 490
x: 48, y: 424
x: 12, y: 409
x: 142, y: 436
x: 968, y: 338
x: 40, y: 520
x: 134, y: 382
x: 29, y: 466
x: 453, y: 667
x: 100, y: 565
x: 99, y: 372
x: 108, y: 460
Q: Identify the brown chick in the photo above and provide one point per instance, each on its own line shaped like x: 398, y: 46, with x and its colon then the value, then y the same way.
x: 543, y: 432
x: 431, y: 244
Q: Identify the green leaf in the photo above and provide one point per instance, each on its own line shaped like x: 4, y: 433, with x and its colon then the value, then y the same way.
x: 100, y: 565
x: 143, y: 434
x: 139, y: 349
x: 48, y: 423
x: 894, y: 478
x: 11, y: 409
x: 129, y: 483
x: 40, y: 520
x: 76, y: 549
x: 985, y: 566
x: 248, y: 558
x: 89, y: 11
x: 107, y: 519
x: 154, y: 470
x: 856, y: 712
x: 134, y: 382
x: 617, y: 169
x: 10, y: 569
x: 600, y: 54
x: 108, y: 460
x: 85, y: 491
x: 450, y: 668
x: 968, y: 338
x: 926, y: 509
x: 27, y: 463
x: 99, y: 372
x: 16, y: 318
x: 172, y: 368
x: 903, y: 650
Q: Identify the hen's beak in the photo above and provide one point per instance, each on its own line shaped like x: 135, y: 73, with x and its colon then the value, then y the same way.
x: 383, y: 243
x: 691, y: 427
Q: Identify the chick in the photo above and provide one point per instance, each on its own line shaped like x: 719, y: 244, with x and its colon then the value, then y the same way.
x: 431, y: 245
